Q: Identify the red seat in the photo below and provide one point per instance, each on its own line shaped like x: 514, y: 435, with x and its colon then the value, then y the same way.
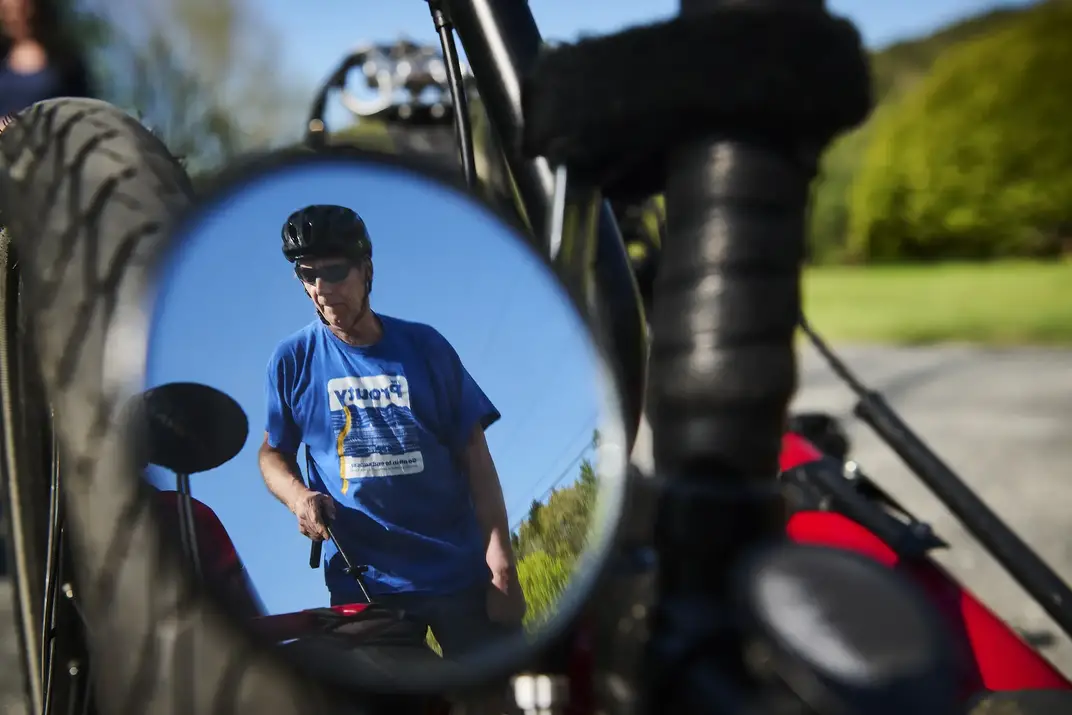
x: 220, y: 563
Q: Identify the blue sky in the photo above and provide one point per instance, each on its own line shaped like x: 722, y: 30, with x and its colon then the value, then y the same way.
x: 230, y: 297
x: 314, y: 41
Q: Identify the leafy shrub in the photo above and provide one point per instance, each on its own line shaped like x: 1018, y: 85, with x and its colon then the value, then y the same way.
x: 543, y: 580
x: 976, y: 161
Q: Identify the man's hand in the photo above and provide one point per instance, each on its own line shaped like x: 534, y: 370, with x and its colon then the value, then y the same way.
x: 506, y: 602
x: 314, y: 511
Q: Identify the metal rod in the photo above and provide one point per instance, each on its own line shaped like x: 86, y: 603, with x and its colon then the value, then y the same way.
x: 354, y: 572
x: 502, y: 42
x: 76, y: 679
x: 556, y: 223
x: 186, y: 516
x: 46, y: 708
x: 462, y: 125
x: 180, y: 506
x: 53, y: 555
x: 317, y: 546
x: 1022, y: 563
x: 49, y: 644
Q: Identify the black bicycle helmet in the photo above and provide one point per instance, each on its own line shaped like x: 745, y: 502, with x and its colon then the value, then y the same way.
x: 325, y: 231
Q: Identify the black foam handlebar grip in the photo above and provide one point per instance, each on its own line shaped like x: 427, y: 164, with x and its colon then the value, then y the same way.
x: 727, y: 300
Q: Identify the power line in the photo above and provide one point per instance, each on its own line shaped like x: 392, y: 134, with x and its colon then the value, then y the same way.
x: 588, y: 425
x: 550, y: 366
x: 558, y: 480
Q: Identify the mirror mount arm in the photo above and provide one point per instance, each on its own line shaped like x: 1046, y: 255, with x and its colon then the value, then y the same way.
x: 187, y: 525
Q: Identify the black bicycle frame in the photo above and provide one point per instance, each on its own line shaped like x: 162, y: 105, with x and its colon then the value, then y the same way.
x: 501, y: 42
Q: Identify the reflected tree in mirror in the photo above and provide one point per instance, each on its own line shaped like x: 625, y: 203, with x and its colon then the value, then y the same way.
x: 552, y: 538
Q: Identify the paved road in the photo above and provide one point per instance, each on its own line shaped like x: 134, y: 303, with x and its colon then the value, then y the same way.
x: 1001, y: 417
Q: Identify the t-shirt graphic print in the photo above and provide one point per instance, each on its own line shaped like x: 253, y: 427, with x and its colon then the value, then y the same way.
x: 376, y: 434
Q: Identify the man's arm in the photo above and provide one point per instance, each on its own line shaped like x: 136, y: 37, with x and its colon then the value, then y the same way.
x: 473, y: 413
x: 281, y: 474
x: 487, y: 495
x: 284, y: 480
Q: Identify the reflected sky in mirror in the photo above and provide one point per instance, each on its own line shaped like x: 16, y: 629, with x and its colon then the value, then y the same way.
x: 229, y: 297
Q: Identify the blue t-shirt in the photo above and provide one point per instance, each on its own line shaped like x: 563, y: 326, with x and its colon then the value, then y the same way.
x: 19, y: 91
x: 384, y: 427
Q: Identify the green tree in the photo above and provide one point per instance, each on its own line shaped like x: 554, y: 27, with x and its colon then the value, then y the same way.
x: 552, y: 537
x: 828, y: 210
x: 895, y: 71
x: 543, y: 579
x: 975, y: 161
x: 203, y: 74
x: 560, y: 527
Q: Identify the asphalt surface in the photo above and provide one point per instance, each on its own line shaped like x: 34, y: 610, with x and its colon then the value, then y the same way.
x: 1002, y: 418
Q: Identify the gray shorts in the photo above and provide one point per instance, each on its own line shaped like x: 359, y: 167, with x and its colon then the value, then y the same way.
x: 459, y: 621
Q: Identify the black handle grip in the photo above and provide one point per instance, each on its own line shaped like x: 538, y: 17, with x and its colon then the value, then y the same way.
x: 316, y: 548
x: 723, y: 365
x: 722, y: 374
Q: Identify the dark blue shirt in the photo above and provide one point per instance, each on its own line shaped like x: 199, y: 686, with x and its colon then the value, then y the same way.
x: 385, y: 426
x: 19, y: 91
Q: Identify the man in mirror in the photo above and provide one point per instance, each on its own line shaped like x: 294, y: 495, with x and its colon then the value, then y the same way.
x: 398, y: 464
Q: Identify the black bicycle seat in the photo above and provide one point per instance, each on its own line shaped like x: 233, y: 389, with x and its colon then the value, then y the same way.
x: 191, y: 427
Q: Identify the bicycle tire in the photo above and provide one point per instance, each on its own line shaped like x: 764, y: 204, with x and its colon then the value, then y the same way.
x: 24, y: 528
x: 91, y: 197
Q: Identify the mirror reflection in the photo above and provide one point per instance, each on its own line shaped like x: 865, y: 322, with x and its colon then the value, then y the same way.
x: 363, y: 389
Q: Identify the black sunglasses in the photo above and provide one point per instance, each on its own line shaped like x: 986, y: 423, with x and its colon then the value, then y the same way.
x: 331, y: 273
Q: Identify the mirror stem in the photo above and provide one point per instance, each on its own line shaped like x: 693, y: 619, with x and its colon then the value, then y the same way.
x: 186, y: 523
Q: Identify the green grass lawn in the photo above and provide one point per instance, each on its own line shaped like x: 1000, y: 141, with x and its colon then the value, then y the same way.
x: 998, y: 303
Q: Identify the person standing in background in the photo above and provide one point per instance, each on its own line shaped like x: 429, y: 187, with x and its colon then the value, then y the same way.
x: 39, y: 59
